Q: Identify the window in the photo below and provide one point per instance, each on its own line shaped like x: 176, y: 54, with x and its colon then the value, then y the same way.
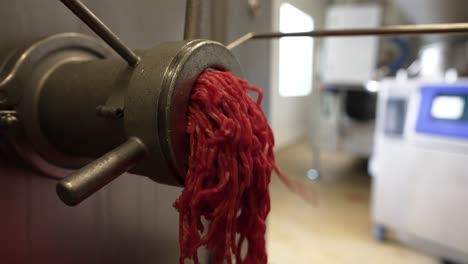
x: 295, y: 53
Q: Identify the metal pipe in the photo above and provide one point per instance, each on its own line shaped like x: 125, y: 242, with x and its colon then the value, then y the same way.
x: 196, y: 15
x: 90, y: 19
x: 89, y: 179
x: 380, y: 31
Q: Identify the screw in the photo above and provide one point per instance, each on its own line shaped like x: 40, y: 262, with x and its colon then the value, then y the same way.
x: 110, y: 111
x: 8, y: 118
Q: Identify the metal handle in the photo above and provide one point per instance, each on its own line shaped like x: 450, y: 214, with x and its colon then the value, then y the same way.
x: 386, y: 30
x: 93, y: 22
x: 89, y: 179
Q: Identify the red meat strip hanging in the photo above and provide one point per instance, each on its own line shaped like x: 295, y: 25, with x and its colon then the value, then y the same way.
x: 230, y: 164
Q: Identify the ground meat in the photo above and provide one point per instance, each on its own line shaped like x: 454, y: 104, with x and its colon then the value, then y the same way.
x: 230, y: 163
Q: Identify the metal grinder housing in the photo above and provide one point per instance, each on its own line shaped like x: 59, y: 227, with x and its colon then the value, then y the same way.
x: 67, y: 103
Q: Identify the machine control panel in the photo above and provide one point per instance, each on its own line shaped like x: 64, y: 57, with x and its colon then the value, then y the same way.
x: 443, y: 110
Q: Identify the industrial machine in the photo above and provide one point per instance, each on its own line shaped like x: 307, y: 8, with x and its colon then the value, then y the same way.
x: 420, y: 150
x: 73, y: 113
x: 419, y: 165
x: 66, y: 101
x: 76, y: 102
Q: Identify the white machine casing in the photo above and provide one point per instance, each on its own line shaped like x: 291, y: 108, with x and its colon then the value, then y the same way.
x: 420, y: 179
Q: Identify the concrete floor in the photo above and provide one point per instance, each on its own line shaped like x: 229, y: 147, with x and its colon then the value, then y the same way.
x: 339, y: 229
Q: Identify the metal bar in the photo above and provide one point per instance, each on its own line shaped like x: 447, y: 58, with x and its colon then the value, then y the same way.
x: 196, y: 15
x: 380, y: 31
x: 90, y: 19
x: 92, y: 177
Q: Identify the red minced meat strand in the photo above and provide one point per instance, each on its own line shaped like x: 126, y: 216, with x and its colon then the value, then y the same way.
x: 229, y: 170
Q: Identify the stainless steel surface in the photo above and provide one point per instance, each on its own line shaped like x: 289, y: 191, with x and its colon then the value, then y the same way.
x: 449, y: 28
x: 46, y: 53
x: 130, y: 221
x: 22, y: 89
x: 197, y: 13
x: 67, y: 109
x: 90, y: 19
x: 89, y: 179
x: 178, y: 64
